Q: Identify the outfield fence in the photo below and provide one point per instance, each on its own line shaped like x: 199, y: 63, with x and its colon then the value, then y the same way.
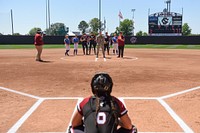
x: 9, y: 39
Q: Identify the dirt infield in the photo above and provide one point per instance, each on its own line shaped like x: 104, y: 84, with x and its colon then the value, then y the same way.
x: 160, y: 88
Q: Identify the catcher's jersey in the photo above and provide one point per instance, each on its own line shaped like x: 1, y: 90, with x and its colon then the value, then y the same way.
x: 104, y: 121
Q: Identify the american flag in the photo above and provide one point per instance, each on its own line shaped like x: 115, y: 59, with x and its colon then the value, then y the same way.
x: 120, y: 15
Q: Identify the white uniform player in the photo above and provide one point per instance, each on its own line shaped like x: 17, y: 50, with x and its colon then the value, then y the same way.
x: 67, y: 45
x: 115, y: 44
x: 75, y: 41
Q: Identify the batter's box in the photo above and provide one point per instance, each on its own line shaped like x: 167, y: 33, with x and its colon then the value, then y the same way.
x: 50, y: 116
x: 150, y: 116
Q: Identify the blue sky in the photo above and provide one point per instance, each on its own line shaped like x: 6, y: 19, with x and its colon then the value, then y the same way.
x: 32, y: 13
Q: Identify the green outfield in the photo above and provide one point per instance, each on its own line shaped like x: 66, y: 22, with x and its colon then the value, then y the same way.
x: 158, y: 46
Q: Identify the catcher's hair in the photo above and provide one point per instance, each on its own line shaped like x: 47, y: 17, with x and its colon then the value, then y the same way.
x: 114, y: 110
x: 97, y: 108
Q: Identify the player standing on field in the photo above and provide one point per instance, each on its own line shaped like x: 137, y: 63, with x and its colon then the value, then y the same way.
x: 84, y: 44
x: 121, y: 44
x: 38, y: 41
x: 106, y: 44
x: 75, y: 41
x: 67, y: 45
x: 115, y: 44
x: 100, y: 44
x: 92, y: 39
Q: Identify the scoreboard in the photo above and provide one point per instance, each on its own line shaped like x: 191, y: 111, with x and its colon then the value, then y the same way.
x: 165, y: 24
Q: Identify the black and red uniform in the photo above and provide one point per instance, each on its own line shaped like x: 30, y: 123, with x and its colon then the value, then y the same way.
x: 84, y: 44
x: 92, y: 43
x: 102, y: 121
x: 106, y: 45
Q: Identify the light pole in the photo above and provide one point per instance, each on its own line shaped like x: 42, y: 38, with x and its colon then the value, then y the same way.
x: 48, y: 23
x: 49, y: 13
x: 11, y: 14
x: 133, y: 10
x: 100, y: 15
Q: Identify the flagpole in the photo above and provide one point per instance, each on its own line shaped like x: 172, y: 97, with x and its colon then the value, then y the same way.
x: 119, y: 21
x: 119, y: 17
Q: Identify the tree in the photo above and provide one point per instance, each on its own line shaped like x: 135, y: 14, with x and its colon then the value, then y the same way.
x: 57, y: 29
x: 186, y: 29
x: 139, y: 33
x: 33, y: 31
x: 83, y: 26
x: 126, y: 27
x: 1, y: 34
x: 144, y: 34
x: 16, y: 34
x: 95, y: 25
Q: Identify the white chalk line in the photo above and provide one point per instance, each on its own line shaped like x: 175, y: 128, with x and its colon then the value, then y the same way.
x: 75, y: 109
x: 18, y: 124
x: 62, y: 98
x: 20, y: 93
x: 126, y: 58
x: 75, y: 60
x: 181, y: 123
x: 179, y: 93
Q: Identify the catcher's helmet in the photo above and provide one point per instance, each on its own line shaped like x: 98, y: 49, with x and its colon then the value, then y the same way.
x: 101, y: 84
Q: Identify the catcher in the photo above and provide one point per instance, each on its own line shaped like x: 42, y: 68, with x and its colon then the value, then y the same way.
x: 101, y: 113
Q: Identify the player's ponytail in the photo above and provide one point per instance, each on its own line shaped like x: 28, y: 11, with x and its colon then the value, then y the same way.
x: 114, y: 110
x: 97, y: 108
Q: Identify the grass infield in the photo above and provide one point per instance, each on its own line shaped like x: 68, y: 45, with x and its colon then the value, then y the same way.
x: 153, y: 46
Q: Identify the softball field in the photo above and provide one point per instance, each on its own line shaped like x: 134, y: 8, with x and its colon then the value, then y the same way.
x: 160, y: 88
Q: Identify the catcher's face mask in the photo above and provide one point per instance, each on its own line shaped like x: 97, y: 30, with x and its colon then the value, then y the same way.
x: 101, y: 84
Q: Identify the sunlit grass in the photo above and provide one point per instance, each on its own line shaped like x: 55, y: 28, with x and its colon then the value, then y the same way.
x: 152, y: 46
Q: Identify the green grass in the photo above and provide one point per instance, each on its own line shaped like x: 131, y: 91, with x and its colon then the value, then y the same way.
x: 157, y: 46
x: 152, y: 46
x: 27, y: 46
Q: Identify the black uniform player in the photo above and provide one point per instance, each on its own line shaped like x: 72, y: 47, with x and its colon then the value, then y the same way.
x: 106, y: 44
x: 92, y: 43
x: 84, y: 44
x: 101, y: 113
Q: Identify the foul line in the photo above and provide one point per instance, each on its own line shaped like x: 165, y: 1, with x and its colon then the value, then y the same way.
x: 20, y: 93
x: 179, y: 93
